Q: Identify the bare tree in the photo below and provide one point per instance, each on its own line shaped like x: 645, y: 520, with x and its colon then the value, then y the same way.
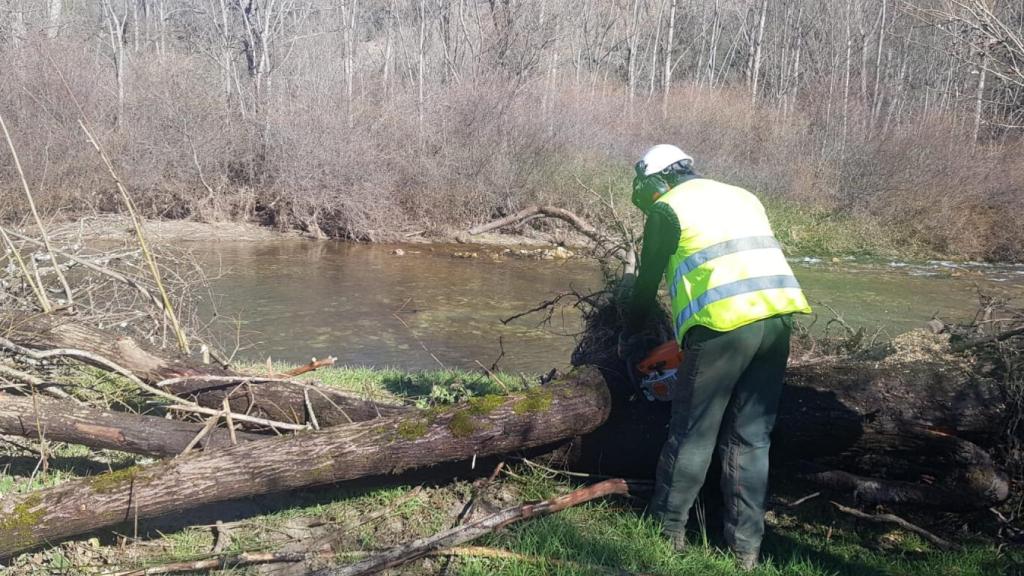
x: 755, y: 50
x: 116, y: 24
x: 667, y: 82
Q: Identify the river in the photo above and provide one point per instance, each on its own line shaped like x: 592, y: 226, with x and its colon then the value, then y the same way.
x: 295, y: 299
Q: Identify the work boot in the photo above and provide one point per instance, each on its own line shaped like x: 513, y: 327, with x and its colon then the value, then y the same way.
x: 747, y: 561
x: 678, y: 541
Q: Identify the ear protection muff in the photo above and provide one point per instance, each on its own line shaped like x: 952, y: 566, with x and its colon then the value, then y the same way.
x: 647, y: 189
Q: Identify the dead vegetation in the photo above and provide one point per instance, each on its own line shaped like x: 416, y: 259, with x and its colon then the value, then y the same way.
x: 371, y: 120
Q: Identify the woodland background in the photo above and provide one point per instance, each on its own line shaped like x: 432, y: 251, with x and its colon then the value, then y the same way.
x: 364, y: 119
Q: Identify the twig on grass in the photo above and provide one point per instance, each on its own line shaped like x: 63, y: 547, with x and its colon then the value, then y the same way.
x: 223, y: 562
x: 327, y: 543
x: 553, y: 472
x: 493, y: 376
x: 499, y: 554
x: 461, y: 534
x: 800, y: 501
x: 222, y: 537
x: 311, y: 367
x: 478, y: 488
x: 256, y: 558
x: 893, y: 519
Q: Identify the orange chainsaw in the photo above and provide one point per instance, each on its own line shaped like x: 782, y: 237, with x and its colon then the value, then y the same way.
x: 657, y: 371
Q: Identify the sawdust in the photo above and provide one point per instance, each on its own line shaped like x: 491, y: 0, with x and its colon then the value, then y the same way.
x: 921, y: 346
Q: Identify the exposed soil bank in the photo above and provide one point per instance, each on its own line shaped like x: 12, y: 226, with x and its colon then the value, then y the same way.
x: 118, y: 228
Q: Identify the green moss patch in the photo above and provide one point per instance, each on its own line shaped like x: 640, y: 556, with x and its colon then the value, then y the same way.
x: 536, y: 400
x: 484, y: 405
x: 111, y: 481
x: 412, y: 429
x: 16, y: 528
x: 462, y: 425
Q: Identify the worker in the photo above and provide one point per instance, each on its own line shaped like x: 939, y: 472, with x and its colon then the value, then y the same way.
x: 733, y: 295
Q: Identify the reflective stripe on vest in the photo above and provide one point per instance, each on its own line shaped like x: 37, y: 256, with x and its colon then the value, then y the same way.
x: 731, y: 289
x: 717, y: 251
x: 728, y: 270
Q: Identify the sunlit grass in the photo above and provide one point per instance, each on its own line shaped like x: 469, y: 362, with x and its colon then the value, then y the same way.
x: 808, y: 231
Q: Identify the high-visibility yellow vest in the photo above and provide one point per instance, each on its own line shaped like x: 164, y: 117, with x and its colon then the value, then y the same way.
x: 729, y: 270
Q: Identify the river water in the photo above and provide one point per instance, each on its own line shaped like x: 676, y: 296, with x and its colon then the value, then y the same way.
x: 296, y: 299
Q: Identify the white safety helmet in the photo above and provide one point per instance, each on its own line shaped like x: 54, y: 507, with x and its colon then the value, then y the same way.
x: 650, y: 182
x: 660, y: 157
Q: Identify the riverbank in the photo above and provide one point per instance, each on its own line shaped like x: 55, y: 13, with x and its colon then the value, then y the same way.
x: 803, y: 232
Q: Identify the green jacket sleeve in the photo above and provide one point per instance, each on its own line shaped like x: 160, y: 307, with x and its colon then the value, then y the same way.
x: 661, y: 239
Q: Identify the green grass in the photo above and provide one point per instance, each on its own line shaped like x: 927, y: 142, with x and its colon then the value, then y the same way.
x: 427, y: 387
x: 806, y: 231
x: 810, y: 541
x: 602, y: 537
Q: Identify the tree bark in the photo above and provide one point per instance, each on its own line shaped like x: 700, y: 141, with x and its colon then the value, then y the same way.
x: 65, y: 421
x: 573, y: 406
x: 886, y: 421
x: 883, y: 424
x: 909, y: 422
x: 755, y: 52
x: 278, y: 400
x: 667, y: 78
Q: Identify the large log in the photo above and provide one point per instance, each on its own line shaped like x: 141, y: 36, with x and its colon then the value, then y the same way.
x: 862, y: 418
x: 65, y: 421
x: 869, y: 427
x: 827, y: 405
x: 570, y: 407
x: 207, y: 385
x: 828, y: 408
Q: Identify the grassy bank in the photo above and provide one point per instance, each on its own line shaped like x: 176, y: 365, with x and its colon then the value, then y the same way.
x: 809, y: 231
x: 803, y: 231
x: 605, y: 537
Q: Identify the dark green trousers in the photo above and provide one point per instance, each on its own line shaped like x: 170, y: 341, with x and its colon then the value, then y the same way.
x: 727, y: 396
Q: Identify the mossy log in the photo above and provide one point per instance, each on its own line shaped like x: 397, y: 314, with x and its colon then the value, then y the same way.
x: 65, y: 421
x: 569, y: 407
x: 207, y: 385
x: 853, y: 422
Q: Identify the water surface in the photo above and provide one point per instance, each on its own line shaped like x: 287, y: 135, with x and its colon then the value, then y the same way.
x: 424, y: 309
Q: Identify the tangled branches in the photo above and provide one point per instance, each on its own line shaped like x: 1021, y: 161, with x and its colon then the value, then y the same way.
x: 110, y: 287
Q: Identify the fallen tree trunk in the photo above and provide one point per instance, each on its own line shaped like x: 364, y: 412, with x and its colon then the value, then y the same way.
x: 850, y: 416
x: 618, y: 248
x: 825, y: 401
x: 573, y: 406
x: 206, y: 385
x: 874, y: 424
x: 838, y: 408
x: 66, y: 421
x: 578, y: 223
